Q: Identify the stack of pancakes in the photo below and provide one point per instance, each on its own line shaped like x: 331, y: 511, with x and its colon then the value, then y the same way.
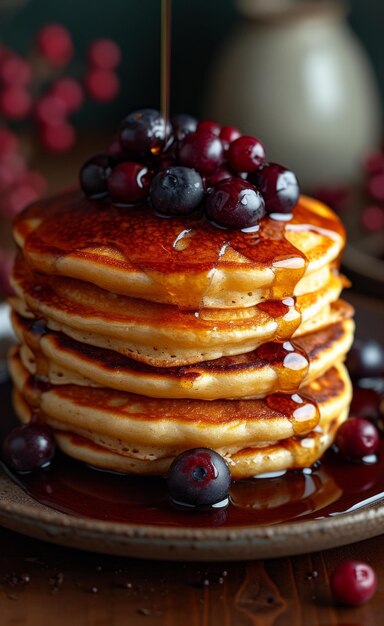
x: 141, y: 336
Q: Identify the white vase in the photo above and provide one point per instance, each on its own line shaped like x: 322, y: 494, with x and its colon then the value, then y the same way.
x: 294, y: 75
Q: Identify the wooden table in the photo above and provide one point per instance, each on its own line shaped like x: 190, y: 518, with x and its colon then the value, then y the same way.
x: 42, y: 584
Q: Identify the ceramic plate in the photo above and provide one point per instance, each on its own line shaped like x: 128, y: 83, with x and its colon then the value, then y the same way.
x: 19, y: 512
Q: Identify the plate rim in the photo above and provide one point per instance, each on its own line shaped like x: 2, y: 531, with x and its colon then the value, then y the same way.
x: 185, y: 543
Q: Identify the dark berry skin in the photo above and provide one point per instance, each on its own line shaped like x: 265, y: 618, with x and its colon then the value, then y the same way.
x: 279, y: 187
x: 221, y: 174
x: 142, y: 133
x: 201, y: 150
x: 94, y: 175
x: 129, y: 183
x: 234, y: 203
x: 246, y: 154
x: 356, y: 438
x: 353, y: 583
x: 29, y: 447
x: 365, y: 359
x: 176, y: 191
x: 199, y: 478
x: 183, y: 124
x: 210, y: 126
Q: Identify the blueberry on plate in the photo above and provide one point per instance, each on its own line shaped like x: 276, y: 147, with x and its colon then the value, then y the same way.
x: 199, y: 477
x: 29, y: 447
x: 176, y: 191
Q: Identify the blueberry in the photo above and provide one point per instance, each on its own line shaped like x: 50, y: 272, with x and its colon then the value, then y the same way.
x: 29, y: 447
x: 176, y: 191
x: 365, y: 359
x: 142, y: 133
x: 199, y: 478
x: 234, y: 203
x: 279, y: 187
x: 94, y: 175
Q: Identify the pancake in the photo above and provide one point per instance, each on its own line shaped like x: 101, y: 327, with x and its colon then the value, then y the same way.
x: 163, y: 335
x: 275, y: 367
x: 180, y: 261
x: 122, y: 432
x: 144, y: 421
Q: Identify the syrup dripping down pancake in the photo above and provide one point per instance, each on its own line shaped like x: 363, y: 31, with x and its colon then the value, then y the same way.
x: 181, y: 261
x: 154, y: 422
x: 273, y: 367
x: 163, y: 335
x: 121, y: 432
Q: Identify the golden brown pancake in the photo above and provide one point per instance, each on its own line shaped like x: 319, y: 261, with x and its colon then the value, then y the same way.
x: 163, y: 335
x: 274, y: 366
x: 183, y: 261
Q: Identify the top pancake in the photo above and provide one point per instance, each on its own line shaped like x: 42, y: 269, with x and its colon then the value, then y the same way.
x: 185, y: 261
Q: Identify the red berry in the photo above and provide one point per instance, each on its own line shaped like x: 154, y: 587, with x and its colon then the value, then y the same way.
x: 376, y: 186
x: 54, y: 43
x: 129, y: 182
x: 228, y: 134
x: 58, y: 137
x: 219, y: 175
x: 18, y: 198
x: 15, y: 71
x: 202, y: 151
x: 50, y: 109
x: 9, y: 143
x: 15, y: 102
x: 209, y: 126
x: 374, y: 163
x: 6, y: 265
x: 279, y: 187
x: 104, y: 54
x: 70, y: 92
x: 372, y: 217
x: 35, y: 180
x: 234, y: 203
x: 357, y: 437
x: 102, y: 85
x: 353, y: 583
x: 246, y: 154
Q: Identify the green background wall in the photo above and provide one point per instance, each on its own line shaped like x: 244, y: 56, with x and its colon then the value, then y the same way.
x: 199, y: 27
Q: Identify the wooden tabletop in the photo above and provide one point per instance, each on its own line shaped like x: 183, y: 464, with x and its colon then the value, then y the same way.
x: 43, y: 584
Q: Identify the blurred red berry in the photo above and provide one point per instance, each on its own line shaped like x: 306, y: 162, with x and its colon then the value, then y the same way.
x: 50, y: 109
x: 54, y: 43
x: 372, y: 217
x: 18, y: 198
x: 70, y: 92
x: 102, y: 85
x: 8, y: 177
x: 15, y: 102
x: 115, y: 148
x: 6, y: 264
x: 376, y: 186
x: 58, y: 138
x: 15, y: 71
x: 374, y: 163
x: 35, y: 180
x: 210, y: 126
x: 9, y: 142
x: 104, y: 54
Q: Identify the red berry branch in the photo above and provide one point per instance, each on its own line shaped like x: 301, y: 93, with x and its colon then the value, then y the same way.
x: 37, y: 91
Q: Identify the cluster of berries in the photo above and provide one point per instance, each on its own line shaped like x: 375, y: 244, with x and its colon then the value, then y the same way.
x: 186, y: 166
x: 35, y: 87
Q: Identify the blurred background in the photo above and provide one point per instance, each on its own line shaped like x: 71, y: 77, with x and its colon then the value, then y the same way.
x: 305, y: 76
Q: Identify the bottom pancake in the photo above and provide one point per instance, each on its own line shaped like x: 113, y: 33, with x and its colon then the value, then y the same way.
x: 108, y: 437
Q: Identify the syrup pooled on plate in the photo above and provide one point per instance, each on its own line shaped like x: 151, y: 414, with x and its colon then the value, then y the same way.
x: 333, y: 487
